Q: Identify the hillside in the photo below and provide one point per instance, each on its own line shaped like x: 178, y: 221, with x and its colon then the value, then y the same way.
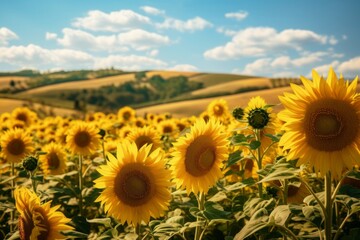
x: 61, y: 92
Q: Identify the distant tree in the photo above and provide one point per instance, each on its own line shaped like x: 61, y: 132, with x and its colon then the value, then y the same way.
x: 12, y: 83
x: 139, y: 76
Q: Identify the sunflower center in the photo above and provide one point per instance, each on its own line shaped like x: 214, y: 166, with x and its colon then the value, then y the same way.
x: 330, y: 124
x: 292, y: 190
x: 258, y: 118
x: 200, y: 156
x: 21, y: 117
x: 133, y: 186
x: 16, y: 147
x: 142, y: 140
x: 167, y: 129
x: 53, y: 161
x: 126, y: 115
x: 218, y: 110
x: 82, y: 139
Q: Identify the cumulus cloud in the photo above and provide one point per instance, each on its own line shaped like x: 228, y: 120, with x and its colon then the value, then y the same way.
x: 50, y: 36
x: 184, y: 68
x: 227, y: 32
x: 40, y: 58
x: 350, y: 67
x: 259, y: 41
x: 152, y: 10
x: 237, y: 15
x: 153, y: 53
x: 6, y: 35
x: 131, y: 62
x: 137, y: 39
x: 189, y: 25
x: 113, y: 22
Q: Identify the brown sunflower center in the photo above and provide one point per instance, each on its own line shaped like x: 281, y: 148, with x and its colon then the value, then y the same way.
x: 167, y: 129
x: 133, y: 186
x: 330, y: 124
x: 126, y: 115
x: 142, y: 140
x: 22, y: 117
x: 218, y: 110
x: 16, y: 147
x: 82, y: 139
x: 200, y: 156
x: 292, y: 190
x: 53, y: 161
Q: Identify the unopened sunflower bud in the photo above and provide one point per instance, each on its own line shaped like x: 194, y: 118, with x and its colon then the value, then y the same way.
x: 102, y: 133
x: 30, y: 163
x: 238, y: 113
x: 258, y: 118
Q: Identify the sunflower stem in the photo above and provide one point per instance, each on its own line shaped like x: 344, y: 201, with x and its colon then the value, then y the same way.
x: 201, y: 201
x: 333, y: 196
x: 80, y: 185
x: 286, y: 188
x: 12, y: 213
x: 33, y: 181
x: 314, y: 194
x: 137, y: 231
x: 103, y: 149
x: 259, y: 162
x: 328, y: 207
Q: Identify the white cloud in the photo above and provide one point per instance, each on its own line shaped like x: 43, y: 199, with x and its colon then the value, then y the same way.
x: 152, y: 10
x: 142, y: 40
x: 114, y: 21
x: 237, y: 15
x: 50, y: 36
x: 257, y: 67
x: 137, y: 39
x: 190, y: 25
x: 132, y: 62
x: 259, y: 41
x: 351, y: 67
x: 227, y: 32
x: 184, y: 68
x: 40, y: 58
x: 333, y: 40
x: 153, y: 53
x: 344, y: 37
x: 6, y: 35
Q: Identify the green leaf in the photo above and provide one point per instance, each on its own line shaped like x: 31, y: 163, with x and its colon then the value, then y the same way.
x: 239, y: 185
x: 280, y: 214
x: 104, y: 221
x: 238, y: 139
x: 74, y: 234
x: 215, y: 211
x: 258, y: 221
x: 274, y: 138
x: 8, y: 179
x: 254, y: 145
x: 218, y: 197
x: 233, y: 158
x: 281, y: 171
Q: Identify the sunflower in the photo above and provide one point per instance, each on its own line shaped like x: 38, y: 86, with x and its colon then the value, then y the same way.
x: 218, y: 109
x: 198, y: 156
x: 83, y: 138
x: 38, y: 221
x: 257, y: 113
x: 167, y: 127
x: 126, y: 114
x: 322, y: 124
x: 136, y: 184
x: 143, y: 136
x: 25, y: 115
x: 54, y: 161
x: 16, y: 144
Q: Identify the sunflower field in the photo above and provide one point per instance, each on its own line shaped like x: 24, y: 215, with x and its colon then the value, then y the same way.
x: 246, y: 173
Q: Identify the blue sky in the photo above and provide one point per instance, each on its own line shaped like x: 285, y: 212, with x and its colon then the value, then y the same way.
x: 254, y: 37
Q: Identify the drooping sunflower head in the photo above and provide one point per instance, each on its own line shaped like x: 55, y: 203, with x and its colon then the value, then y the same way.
x: 38, y: 221
x: 322, y: 123
x: 54, y: 161
x: 136, y: 184
x: 257, y: 113
x: 15, y: 145
x: 145, y: 136
x: 25, y: 115
x: 198, y: 156
x: 83, y: 138
x: 126, y: 114
x: 218, y: 109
